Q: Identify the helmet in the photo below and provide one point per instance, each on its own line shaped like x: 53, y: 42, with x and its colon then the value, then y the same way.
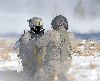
x: 36, y: 25
x: 59, y: 21
x: 35, y: 22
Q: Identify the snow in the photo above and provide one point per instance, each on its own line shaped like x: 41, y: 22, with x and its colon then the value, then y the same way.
x: 81, y: 67
x: 84, y: 68
x: 1, y: 49
x: 13, y: 64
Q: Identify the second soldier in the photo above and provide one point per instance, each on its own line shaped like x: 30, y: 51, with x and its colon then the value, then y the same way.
x: 57, y: 56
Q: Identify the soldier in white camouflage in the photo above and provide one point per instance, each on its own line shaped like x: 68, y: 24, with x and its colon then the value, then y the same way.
x: 57, y: 58
x: 26, y: 44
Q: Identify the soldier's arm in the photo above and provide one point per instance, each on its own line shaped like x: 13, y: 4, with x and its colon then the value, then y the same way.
x: 70, y: 40
x: 17, y: 44
x: 70, y: 48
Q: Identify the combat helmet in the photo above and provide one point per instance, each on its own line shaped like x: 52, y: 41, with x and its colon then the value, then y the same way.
x: 36, y: 24
x: 35, y: 21
x: 59, y: 21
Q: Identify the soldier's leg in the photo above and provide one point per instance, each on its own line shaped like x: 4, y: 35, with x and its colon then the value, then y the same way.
x: 64, y: 68
x: 39, y: 75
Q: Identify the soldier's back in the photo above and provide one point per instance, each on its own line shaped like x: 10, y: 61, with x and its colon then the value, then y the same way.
x: 26, y: 53
x: 57, y: 58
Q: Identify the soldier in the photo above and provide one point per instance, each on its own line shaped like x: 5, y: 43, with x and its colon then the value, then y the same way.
x: 27, y: 50
x: 57, y: 60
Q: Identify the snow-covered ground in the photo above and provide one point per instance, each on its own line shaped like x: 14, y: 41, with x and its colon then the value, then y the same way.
x: 14, y: 63
x: 84, y: 68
